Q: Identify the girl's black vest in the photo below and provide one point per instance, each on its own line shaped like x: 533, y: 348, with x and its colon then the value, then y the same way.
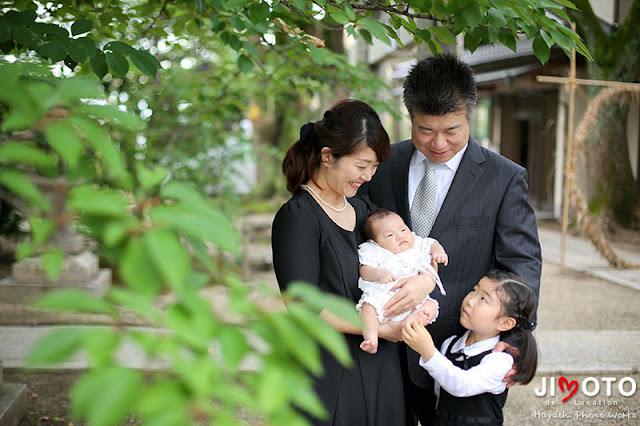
x: 483, y: 409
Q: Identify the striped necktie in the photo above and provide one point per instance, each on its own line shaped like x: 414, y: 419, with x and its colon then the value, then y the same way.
x: 423, y: 208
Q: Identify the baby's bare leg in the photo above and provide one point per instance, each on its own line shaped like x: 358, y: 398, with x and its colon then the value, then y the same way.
x: 370, y: 327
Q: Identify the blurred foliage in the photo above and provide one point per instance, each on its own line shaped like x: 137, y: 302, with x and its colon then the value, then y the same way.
x: 165, y: 238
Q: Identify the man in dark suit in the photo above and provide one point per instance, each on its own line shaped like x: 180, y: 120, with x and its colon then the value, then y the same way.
x: 483, y: 218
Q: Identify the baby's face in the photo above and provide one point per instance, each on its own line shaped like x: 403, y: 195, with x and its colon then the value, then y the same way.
x: 393, y: 234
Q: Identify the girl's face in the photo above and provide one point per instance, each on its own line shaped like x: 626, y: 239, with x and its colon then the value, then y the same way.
x: 345, y: 175
x: 393, y: 234
x: 481, y: 311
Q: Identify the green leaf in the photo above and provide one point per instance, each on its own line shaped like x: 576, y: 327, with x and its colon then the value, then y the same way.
x: 116, y: 231
x: 210, y: 226
x: 541, y: 49
x: 52, y: 263
x: 496, y: 18
x: 376, y: 29
x: 101, y: 345
x: 150, y: 178
x: 472, y: 14
x: 54, y: 50
x: 319, y: 300
x: 297, y: 342
x: 145, y: 62
x: 105, y: 396
x: 82, y: 48
x: 139, y: 304
x: 306, y: 398
x: 73, y: 89
x: 321, y: 331
x: 244, y: 63
x: 57, y: 346
x: 19, y: 184
x: 74, y: 300
x: 81, y: 26
x: 567, y: 3
x: 471, y: 41
x: 21, y: 153
x: 99, y: 202
x: 272, y: 392
x: 443, y: 34
x: 41, y: 229
x: 22, y: 36
x: 233, y: 345
x: 102, y: 144
x: 63, y: 138
x: 259, y: 12
x: 113, y: 114
x: 119, y: 47
x: 169, y: 256
x: 117, y: 63
x: 99, y: 65
x: 507, y: 39
x: 338, y: 15
x: 5, y: 33
x: 164, y: 403
x: 137, y: 269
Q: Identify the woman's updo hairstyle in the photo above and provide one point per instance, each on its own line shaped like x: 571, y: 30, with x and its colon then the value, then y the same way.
x: 347, y: 127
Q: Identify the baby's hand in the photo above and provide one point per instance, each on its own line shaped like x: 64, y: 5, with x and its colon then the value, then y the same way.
x: 440, y: 257
x: 385, y: 277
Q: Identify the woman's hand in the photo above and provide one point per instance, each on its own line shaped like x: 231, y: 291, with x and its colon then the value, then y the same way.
x: 413, y: 290
x: 391, y: 331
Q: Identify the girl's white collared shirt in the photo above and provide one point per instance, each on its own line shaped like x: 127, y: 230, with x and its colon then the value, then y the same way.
x: 485, y: 377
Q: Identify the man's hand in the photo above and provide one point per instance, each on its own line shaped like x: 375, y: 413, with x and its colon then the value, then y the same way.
x: 505, y: 347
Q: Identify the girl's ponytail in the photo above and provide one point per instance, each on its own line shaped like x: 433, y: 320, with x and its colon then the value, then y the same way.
x: 518, y: 302
x: 301, y: 159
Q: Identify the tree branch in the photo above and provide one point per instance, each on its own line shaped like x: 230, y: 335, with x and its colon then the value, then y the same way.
x: 392, y: 10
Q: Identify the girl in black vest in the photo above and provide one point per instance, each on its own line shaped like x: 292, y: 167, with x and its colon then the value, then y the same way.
x: 469, y: 376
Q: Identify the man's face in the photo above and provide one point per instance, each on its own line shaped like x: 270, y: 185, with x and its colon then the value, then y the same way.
x: 440, y: 137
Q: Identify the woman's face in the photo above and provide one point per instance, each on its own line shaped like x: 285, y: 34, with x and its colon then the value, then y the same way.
x: 345, y: 174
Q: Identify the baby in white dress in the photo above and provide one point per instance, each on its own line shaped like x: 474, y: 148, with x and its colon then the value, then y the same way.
x: 392, y: 253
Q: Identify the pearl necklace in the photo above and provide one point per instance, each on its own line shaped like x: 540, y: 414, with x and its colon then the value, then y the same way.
x: 310, y: 189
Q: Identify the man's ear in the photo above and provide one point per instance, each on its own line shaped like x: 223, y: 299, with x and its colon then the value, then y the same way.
x: 506, y: 323
x: 325, y: 155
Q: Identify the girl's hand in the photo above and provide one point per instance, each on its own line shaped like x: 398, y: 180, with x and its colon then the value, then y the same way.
x: 419, y: 339
x: 391, y: 331
x: 413, y: 290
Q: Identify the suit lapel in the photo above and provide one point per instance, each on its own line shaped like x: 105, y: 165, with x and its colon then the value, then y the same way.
x: 400, y: 179
x: 468, y: 173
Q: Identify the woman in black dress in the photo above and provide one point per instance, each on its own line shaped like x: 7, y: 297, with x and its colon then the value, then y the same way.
x: 315, y: 238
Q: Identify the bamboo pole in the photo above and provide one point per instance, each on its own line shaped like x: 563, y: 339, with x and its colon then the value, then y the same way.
x: 568, y: 163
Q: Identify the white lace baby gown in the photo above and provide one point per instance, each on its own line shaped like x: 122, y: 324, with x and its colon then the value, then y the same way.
x: 406, y: 264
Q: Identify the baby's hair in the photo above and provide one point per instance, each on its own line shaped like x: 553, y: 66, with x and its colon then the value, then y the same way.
x: 377, y: 214
x: 519, y: 303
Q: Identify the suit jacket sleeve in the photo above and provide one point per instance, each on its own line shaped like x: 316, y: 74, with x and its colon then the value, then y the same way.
x: 517, y: 247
